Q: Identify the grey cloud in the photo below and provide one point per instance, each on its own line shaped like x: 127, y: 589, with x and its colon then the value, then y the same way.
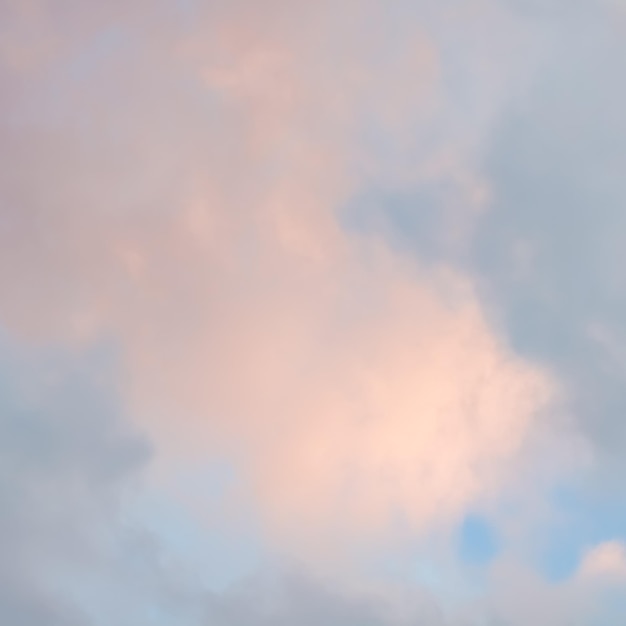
x: 551, y: 249
x: 296, y: 597
x: 64, y: 457
x: 515, y: 598
x: 70, y: 467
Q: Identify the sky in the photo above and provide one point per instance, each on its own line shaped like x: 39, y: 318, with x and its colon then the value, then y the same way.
x: 312, y: 312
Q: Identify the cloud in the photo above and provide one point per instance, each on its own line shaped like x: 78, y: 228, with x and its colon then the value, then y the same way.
x: 550, y: 249
x: 606, y: 559
x: 190, y: 182
x: 65, y: 460
x: 295, y: 596
x: 193, y: 218
x: 590, y: 596
x: 516, y: 597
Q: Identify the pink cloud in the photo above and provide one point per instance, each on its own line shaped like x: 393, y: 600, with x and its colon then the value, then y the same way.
x: 183, y: 200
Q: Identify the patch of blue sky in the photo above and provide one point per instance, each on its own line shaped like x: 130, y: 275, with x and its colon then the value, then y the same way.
x: 477, y: 541
x: 583, y: 519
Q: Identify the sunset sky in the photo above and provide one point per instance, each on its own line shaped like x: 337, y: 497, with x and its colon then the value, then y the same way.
x: 312, y: 312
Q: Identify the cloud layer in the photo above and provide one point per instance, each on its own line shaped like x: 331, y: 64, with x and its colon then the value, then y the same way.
x: 366, y: 255
x: 193, y: 218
